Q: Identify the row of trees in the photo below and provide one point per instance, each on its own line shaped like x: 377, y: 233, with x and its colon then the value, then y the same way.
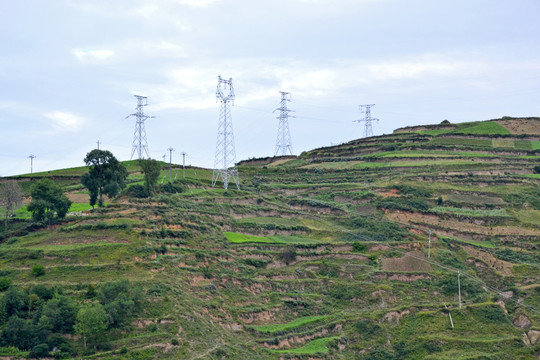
x: 106, y: 176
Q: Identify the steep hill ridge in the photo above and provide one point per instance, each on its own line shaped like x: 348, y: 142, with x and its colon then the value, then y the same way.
x: 344, y: 252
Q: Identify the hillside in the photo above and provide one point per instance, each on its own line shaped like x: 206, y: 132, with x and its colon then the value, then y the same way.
x: 344, y: 252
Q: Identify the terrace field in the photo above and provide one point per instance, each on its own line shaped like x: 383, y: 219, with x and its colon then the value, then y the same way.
x: 344, y: 252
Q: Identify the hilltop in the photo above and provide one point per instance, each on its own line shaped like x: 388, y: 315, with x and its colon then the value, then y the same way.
x: 345, y: 252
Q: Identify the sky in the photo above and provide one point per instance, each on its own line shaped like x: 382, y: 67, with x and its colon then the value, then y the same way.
x: 69, y: 70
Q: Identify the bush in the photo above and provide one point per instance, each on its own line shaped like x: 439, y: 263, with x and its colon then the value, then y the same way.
x: 39, y: 351
x: 175, y: 342
x: 38, y: 270
x: 367, y: 328
x: 288, y: 255
x: 358, y: 247
x: 138, y: 191
x: 4, y: 283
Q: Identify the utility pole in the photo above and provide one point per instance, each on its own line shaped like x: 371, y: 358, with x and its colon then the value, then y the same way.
x: 429, y: 245
x: 32, y: 157
x: 140, y: 145
x: 98, y: 144
x: 225, y: 160
x: 459, y: 290
x: 164, y: 156
x: 283, y: 141
x: 184, y: 164
x: 170, y: 163
x: 367, y: 119
x: 450, y: 316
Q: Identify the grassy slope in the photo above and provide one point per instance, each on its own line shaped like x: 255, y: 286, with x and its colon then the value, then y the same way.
x: 318, y: 256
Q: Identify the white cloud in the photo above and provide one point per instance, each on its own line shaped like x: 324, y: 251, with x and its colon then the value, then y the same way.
x: 92, y: 55
x: 197, y: 3
x: 64, y: 121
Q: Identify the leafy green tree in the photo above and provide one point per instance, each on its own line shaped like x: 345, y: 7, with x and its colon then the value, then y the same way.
x: 121, y: 300
x: 91, y: 323
x: 48, y: 201
x: 61, y: 312
x: 107, y: 176
x: 22, y: 334
x: 14, y: 302
x: 151, y: 169
x: 10, y: 198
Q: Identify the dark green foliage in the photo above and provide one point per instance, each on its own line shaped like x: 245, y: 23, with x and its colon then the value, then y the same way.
x: 39, y: 351
x: 150, y: 169
x: 14, y: 302
x: 367, y: 328
x: 448, y: 258
x: 48, y: 201
x: 22, y: 334
x: 38, y: 270
x: 490, y: 314
x: 43, y: 292
x: 120, y: 299
x: 536, y: 169
x: 516, y: 256
x: 61, y: 313
x: 399, y: 203
x: 107, y: 176
x: 411, y: 191
x: 449, y: 285
x: 358, y: 247
x: 138, y: 191
x: 440, y: 201
x: 531, y: 197
x: 171, y: 188
x: 258, y: 263
x: 369, y: 229
x: 288, y: 255
x: 379, y: 354
x: 4, y: 283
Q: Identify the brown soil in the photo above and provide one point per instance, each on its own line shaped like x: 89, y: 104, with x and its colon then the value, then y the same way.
x: 79, y: 198
x: 521, y: 126
x: 411, y: 261
x: 501, y: 266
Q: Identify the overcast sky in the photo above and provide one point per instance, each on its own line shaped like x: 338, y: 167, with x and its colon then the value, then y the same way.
x: 69, y: 70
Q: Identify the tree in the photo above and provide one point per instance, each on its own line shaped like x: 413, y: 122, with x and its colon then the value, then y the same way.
x: 61, y: 312
x: 10, y: 197
x: 151, y: 170
x: 48, y: 201
x: 106, y: 175
x: 120, y: 299
x: 91, y: 323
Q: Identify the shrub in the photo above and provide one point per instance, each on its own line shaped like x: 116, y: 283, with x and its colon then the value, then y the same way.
x: 288, y: 255
x: 39, y: 351
x: 4, y: 283
x: 367, y: 328
x: 358, y: 247
x: 175, y: 342
x: 38, y: 270
x: 138, y: 191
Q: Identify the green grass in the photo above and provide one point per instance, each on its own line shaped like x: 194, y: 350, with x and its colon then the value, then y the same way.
x: 290, y: 325
x: 312, y: 347
x: 470, y: 212
x: 482, y: 128
x: 486, y: 244
x: 238, y: 238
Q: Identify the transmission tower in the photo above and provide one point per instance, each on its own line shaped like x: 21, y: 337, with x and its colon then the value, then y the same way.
x: 32, y: 157
x: 140, y: 145
x: 283, y: 141
x: 367, y: 119
x: 225, y: 161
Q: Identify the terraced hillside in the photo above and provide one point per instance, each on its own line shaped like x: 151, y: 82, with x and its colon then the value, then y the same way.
x: 345, y: 252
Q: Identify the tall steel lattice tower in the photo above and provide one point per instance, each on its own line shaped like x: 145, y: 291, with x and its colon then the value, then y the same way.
x: 225, y: 161
x: 140, y: 145
x: 283, y: 141
x: 368, y: 131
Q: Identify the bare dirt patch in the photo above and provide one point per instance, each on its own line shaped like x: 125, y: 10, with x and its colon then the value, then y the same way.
x: 501, y: 266
x: 521, y: 126
x: 78, y: 198
x: 411, y: 261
